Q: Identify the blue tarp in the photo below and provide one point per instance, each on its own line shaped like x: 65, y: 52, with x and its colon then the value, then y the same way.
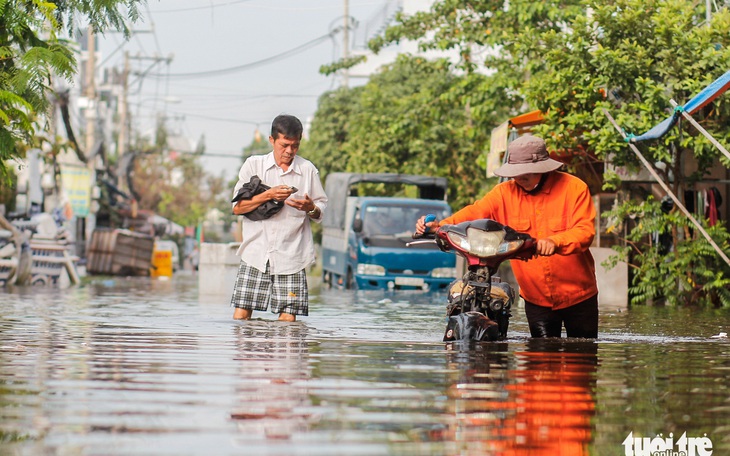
x: 658, y: 130
x: 707, y: 95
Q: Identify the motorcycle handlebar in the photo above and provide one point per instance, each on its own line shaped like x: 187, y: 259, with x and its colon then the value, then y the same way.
x: 530, y: 252
x: 424, y: 235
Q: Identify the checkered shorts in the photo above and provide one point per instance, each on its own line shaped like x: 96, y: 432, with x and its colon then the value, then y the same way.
x: 255, y: 290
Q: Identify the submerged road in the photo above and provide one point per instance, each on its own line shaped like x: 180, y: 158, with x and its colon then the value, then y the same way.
x: 139, y: 366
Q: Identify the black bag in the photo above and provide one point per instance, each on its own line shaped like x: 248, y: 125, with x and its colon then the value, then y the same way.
x: 254, y: 187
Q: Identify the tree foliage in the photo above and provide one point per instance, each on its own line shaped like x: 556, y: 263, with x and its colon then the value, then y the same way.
x: 691, y: 272
x: 175, y: 186
x: 177, y: 189
x: 414, y: 117
x: 32, y: 53
x: 632, y: 57
x: 487, y: 34
x: 330, y: 130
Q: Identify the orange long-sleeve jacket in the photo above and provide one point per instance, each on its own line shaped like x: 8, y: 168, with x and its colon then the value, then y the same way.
x: 562, y: 210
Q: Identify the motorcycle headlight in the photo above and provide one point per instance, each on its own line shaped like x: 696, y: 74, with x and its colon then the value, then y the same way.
x: 510, y: 246
x: 458, y: 240
x: 370, y: 269
x: 443, y: 272
x: 483, y: 243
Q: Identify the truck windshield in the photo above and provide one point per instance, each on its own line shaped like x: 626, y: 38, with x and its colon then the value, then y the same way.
x: 391, y: 220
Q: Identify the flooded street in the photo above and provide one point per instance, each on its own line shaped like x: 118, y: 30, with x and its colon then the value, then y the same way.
x: 139, y: 366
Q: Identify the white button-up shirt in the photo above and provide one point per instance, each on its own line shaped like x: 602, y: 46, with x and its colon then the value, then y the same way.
x: 285, y: 239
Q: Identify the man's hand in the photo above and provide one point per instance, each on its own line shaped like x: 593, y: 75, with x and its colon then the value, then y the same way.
x: 279, y: 193
x: 545, y: 247
x: 421, y: 225
x: 305, y: 204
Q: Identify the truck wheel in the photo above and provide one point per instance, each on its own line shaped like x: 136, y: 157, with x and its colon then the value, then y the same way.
x: 350, y: 284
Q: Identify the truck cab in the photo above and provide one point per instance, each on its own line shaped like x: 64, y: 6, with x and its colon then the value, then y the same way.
x: 364, y: 237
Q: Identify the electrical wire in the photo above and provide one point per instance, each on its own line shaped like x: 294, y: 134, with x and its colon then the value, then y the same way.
x: 269, y: 7
x: 195, y: 8
x: 220, y: 119
x: 246, y: 66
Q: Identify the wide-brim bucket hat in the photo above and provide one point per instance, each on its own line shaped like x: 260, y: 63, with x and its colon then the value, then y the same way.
x: 526, y: 155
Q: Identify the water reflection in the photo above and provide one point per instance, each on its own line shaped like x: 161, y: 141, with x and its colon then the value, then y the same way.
x: 538, y: 400
x: 272, y: 360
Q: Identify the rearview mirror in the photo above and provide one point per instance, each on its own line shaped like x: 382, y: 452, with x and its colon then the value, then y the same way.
x: 357, y: 225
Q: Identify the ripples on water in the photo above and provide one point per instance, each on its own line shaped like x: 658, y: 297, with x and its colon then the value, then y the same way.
x: 133, y: 366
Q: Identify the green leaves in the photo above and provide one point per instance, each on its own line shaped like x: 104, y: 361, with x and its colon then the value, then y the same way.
x: 414, y: 117
x: 687, y: 271
x: 31, y: 55
x: 343, y: 64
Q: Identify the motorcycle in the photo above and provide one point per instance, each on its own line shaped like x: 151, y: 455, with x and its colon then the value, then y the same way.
x: 479, y: 303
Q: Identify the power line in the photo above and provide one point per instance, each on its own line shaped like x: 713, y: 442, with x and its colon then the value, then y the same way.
x: 246, y: 66
x: 221, y: 119
x: 202, y: 7
x: 237, y: 157
x: 269, y: 7
x: 210, y: 154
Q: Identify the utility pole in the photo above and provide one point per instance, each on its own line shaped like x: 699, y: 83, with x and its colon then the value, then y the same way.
x: 123, y: 121
x: 346, y: 41
x: 124, y: 108
x: 90, y: 92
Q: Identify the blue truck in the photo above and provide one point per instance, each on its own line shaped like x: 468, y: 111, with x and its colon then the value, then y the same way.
x: 364, y: 236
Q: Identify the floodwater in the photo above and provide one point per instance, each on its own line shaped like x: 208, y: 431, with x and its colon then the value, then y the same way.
x: 141, y: 366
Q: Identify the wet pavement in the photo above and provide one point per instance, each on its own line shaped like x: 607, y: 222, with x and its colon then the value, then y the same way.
x: 142, y: 366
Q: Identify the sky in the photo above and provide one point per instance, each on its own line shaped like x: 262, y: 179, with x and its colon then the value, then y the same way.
x: 233, y: 66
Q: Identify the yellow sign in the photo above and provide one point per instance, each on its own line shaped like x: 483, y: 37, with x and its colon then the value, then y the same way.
x: 161, y: 263
x: 76, y: 183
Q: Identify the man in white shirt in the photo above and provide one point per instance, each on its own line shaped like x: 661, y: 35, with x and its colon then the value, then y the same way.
x: 275, y: 251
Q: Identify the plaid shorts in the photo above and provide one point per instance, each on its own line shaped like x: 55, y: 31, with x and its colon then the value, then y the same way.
x: 254, y: 290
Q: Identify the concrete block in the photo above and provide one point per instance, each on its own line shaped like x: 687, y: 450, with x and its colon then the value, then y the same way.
x: 217, y: 268
x: 613, y: 284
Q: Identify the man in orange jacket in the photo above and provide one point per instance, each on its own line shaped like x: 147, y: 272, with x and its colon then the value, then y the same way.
x: 559, y: 284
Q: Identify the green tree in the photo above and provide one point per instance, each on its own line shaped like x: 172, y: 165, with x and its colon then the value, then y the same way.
x: 632, y: 57
x: 414, y: 117
x: 408, y: 121
x: 492, y: 35
x: 330, y: 130
x: 175, y: 186
x: 692, y: 273
x: 32, y: 53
